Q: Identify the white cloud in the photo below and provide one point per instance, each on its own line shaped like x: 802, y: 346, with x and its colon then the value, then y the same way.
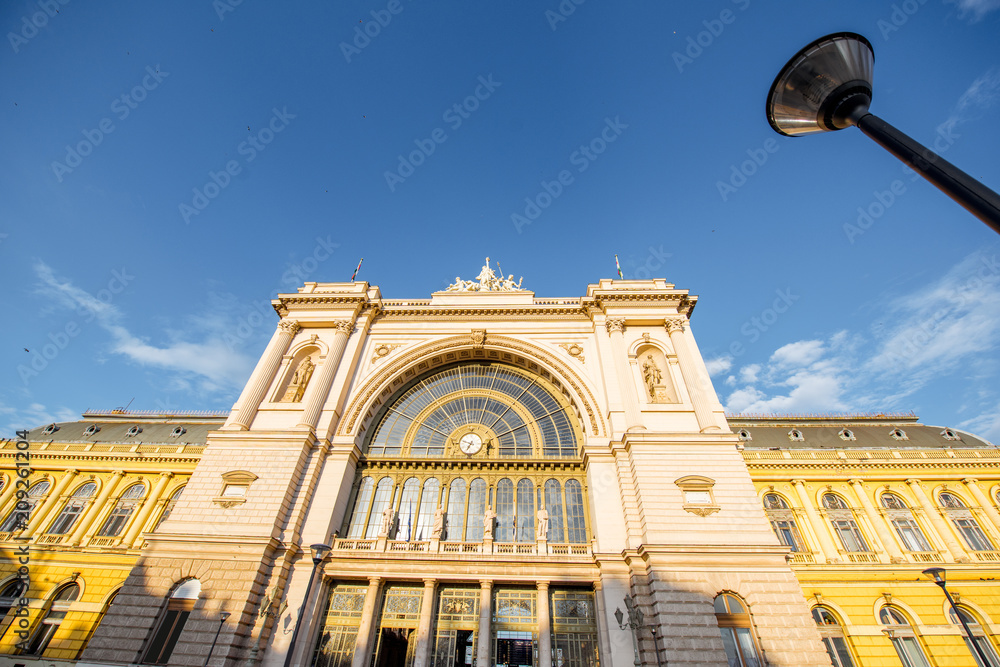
x: 32, y: 416
x: 981, y: 94
x: 718, y: 365
x: 748, y: 374
x: 210, y: 360
x: 801, y: 353
x: 977, y: 8
x: 985, y: 425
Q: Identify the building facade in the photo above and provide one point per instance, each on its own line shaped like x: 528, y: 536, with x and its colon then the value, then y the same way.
x: 501, y: 479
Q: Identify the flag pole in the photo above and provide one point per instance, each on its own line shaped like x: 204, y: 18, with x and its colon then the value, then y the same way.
x: 356, y: 270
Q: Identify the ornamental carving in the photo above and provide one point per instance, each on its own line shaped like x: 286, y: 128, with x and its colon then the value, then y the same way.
x: 382, y: 351
x: 675, y: 324
x: 478, y: 338
x: 615, y: 324
x: 574, y: 350
x: 343, y: 327
x: 288, y: 326
x: 487, y: 281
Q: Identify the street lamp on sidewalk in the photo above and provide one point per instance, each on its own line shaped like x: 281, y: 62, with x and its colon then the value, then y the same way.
x: 827, y: 86
x: 319, y: 552
x: 937, y: 574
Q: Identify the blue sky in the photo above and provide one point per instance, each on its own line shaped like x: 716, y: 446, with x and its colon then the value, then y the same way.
x: 168, y: 168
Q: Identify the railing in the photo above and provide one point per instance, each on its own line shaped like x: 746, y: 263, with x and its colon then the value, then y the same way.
x: 439, y: 547
x: 355, y: 545
x: 801, y: 557
x: 407, y: 546
x: 926, y: 557
x: 862, y: 557
x: 50, y: 539
x: 990, y: 556
x: 103, y: 541
x: 6, y: 536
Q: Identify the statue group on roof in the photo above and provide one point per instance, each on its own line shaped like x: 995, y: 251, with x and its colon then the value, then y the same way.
x: 487, y: 281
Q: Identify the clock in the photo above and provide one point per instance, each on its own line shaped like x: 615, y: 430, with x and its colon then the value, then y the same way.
x: 470, y: 443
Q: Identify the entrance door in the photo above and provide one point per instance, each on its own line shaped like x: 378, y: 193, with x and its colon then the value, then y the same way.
x: 514, y: 649
x: 394, y: 647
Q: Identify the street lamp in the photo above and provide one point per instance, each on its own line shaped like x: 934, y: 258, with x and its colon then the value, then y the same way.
x: 937, y: 574
x: 635, y: 622
x: 223, y: 615
x: 828, y: 86
x: 319, y: 552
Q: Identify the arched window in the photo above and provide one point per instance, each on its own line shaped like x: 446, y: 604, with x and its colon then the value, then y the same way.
x: 903, y: 639
x: 171, y: 622
x: 428, y: 505
x: 19, y: 516
x: 10, y: 596
x: 120, y: 515
x: 902, y: 520
x: 737, y: 631
x: 505, y: 511
x: 477, y: 510
x: 844, y: 524
x: 978, y: 634
x: 966, y: 523
x: 525, y: 511
x: 52, y: 619
x: 408, y: 504
x: 362, y: 505
x: 74, y: 507
x: 554, y: 506
x: 783, y: 522
x: 169, y: 507
x: 97, y: 623
x: 833, y: 637
x: 576, y: 528
x: 456, y: 511
x: 383, y: 496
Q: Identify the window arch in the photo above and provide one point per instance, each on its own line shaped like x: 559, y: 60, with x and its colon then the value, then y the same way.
x: 73, y: 509
x: 844, y: 524
x: 833, y: 636
x: 902, y: 519
x: 963, y: 519
x: 902, y: 636
x: 52, y: 619
x: 122, y: 512
x: 738, y: 637
x: 171, y: 622
x: 783, y: 522
x: 169, y: 507
x: 23, y: 509
x: 978, y: 634
x: 10, y: 595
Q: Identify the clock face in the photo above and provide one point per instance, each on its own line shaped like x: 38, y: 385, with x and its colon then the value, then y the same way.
x: 470, y: 443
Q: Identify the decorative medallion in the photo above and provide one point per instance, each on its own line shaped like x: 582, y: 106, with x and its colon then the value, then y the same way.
x: 382, y: 351
x: 574, y: 350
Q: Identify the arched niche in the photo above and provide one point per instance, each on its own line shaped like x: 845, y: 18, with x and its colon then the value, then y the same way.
x: 297, y: 373
x: 654, y: 372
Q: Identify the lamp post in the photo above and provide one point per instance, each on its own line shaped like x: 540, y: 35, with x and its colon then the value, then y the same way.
x: 634, y: 623
x: 223, y: 615
x: 319, y: 552
x: 827, y: 86
x: 937, y: 574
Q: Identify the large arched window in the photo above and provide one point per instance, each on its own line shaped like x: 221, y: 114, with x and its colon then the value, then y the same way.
x: 902, y: 520
x: 74, y: 507
x: 904, y: 640
x: 52, y: 619
x: 783, y: 522
x: 171, y: 622
x: 737, y: 631
x: 123, y: 510
x: 501, y: 410
x: 966, y: 523
x: 833, y: 637
x: 982, y: 642
x: 19, y: 516
x: 844, y: 524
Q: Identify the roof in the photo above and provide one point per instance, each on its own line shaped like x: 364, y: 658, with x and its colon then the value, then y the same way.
x: 114, y: 426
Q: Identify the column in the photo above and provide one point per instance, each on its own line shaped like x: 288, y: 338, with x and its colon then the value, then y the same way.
x: 362, y: 645
x: 544, y: 626
x: 95, y: 509
x: 829, y: 549
x: 317, y: 397
x: 147, y: 507
x: 958, y: 554
x: 603, y: 636
x: 983, y: 500
x: 422, y: 652
x: 484, y: 637
x: 692, y: 379
x: 39, y: 514
x: 878, y: 523
x: 630, y: 401
x: 263, y: 375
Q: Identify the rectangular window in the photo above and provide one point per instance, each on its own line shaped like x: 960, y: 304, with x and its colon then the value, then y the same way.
x: 787, y: 534
x: 974, y: 535
x: 911, y: 535
x: 850, y: 535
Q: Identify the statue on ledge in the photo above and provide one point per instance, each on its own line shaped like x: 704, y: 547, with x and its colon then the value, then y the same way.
x: 297, y: 386
x: 487, y: 281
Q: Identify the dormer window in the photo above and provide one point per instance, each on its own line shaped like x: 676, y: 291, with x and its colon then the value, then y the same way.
x: 745, y: 435
x: 135, y: 430
x: 795, y: 435
x: 50, y: 429
x: 948, y: 434
x: 92, y: 429
x: 178, y: 432
x: 898, y: 434
x: 846, y: 434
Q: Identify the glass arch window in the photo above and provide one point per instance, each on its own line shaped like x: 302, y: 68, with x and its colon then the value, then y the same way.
x: 554, y: 506
x: 844, y: 523
x: 428, y: 505
x: 978, y: 634
x: 901, y: 518
x: 122, y: 512
x: 71, y: 512
x: 962, y: 518
x: 904, y: 640
x: 576, y: 529
x: 174, y: 497
x: 362, y: 505
x: 171, y: 622
x: 454, y: 519
x: 52, y: 619
x: 511, y: 412
x: 21, y: 514
x: 738, y: 637
x: 408, y: 504
x: 833, y: 637
x: 477, y: 510
x: 783, y: 522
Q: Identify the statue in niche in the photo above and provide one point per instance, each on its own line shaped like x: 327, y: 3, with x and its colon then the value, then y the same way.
x: 488, y: 519
x: 297, y: 386
x: 651, y: 375
x: 388, y: 518
x: 542, y: 532
x: 438, y: 523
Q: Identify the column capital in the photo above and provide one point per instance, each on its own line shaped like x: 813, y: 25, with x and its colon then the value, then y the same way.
x: 913, y: 481
x: 598, y: 585
x: 969, y: 480
x: 343, y: 327
x: 118, y: 473
x: 614, y: 324
x: 542, y: 585
x: 374, y: 581
x: 73, y: 471
x: 855, y: 481
x: 167, y: 474
x: 485, y: 584
x: 673, y: 324
x: 429, y: 582
x: 288, y: 327
x: 799, y: 482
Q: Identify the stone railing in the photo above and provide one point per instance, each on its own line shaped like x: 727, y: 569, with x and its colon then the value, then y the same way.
x: 540, y: 548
